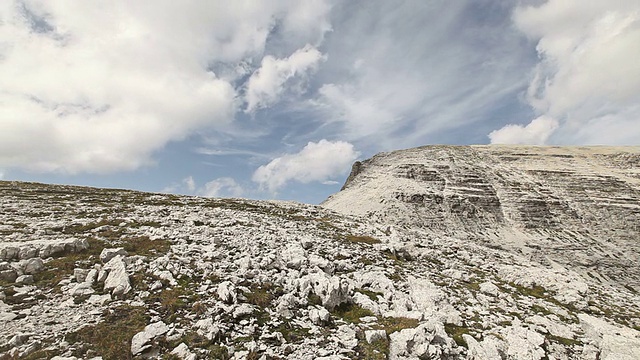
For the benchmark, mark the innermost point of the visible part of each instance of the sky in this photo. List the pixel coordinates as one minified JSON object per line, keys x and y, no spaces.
{"x":275,"y":99}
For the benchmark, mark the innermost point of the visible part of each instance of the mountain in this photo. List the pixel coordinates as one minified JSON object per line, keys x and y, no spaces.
{"x":571,"y":207}
{"x":429,"y":253}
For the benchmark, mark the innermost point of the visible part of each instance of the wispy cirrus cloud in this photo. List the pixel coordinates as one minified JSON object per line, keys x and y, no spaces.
{"x":588,"y":77}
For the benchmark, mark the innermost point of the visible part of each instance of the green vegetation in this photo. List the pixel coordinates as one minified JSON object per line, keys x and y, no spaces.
{"x":292,"y":333}
{"x":263,"y":295}
{"x":111,"y":338}
{"x":562,"y":340}
{"x":362,"y":239}
{"x":373,"y":295}
{"x":456,"y":333}
{"x":143,"y":245}
{"x":393,"y":324}
{"x":351,"y":313}
{"x":377,"y":350}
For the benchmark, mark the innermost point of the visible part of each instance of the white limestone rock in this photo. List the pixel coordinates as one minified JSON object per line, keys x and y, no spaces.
{"x":319,"y":315}
{"x":227,"y":292}
{"x":346,"y":335}
{"x":490,"y":348}
{"x":374,"y":335}
{"x":294,"y":256}
{"x":523,"y":343}
{"x":614,"y":342}
{"x":109,"y":253}
{"x":332,"y":290}
{"x":31,"y":266}
{"x":140,"y":341}
{"x":489,"y":288}
{"x":24,"y":280}
{"x":117,"y":282}
{"x":182,"y":351}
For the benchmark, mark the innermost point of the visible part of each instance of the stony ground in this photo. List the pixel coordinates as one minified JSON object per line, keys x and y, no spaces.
{"x":90,"y":273}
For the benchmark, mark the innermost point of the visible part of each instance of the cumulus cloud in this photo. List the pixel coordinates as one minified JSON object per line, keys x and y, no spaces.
{"x":221,"y":187}
{"x":588,"y":76}
{"x":101,"y":87}
{"x":536,"y":132}
{"x":319,"y":161}
{"x":267,"y":83}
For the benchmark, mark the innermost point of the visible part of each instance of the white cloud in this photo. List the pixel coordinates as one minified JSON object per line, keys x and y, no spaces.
{"x":319,"y":161}
{"x":221,"y":187}
{"x":589,"y":74}
{"x":189,"y":183}
{"x":401,"y":74}
{"x":268,"y":82}
{"x":101,"y":87}
{"x":535,"y":133}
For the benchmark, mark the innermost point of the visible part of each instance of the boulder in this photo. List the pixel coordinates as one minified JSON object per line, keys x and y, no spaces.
{"x":27,"y":252}
{"x":8,"y":275}
{"x":24,"y":280}
{"x":319,"y":315}
{"x":107,"y":254}
{"x":118,"y":280}
{"x":32,"y":266}
{"x":140,"y":341}
{"x":9,"y":253}
{"x":182,"y":351}
{"x":374,"y":335}
{"x":227,"y":292}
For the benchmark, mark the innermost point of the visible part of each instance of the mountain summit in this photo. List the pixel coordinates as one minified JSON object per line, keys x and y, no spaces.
{"x":439,"y":252}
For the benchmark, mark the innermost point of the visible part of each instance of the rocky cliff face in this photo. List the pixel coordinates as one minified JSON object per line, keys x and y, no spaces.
{"x":446,"y":256}
{"x":574,"y":207}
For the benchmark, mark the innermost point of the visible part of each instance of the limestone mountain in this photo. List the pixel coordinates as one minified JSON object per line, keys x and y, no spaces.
{"x":427,"y":253}
{"x":573,"y":207}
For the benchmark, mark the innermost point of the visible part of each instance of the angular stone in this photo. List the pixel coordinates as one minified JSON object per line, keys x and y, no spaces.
{"x":107,"y":254}
{"x":28,"y":252}
{"x":8,"y":275}
{"x":319,"y":315}
{"x":118,"y":280}
{"x":24,"y":280}
{"x":227,"y":292}
{"x":140,"y":341}
{"x":32,"y":266}
{"x":374,"y":335}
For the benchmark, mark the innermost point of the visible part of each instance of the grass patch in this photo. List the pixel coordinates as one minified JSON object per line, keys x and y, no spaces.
{"x":564,"y":341}
{"x":263,"y":295}
{"x":79,"y":229}
{"x":540,"y":309}
{"x":143,"y":245}
{"x":456,"y":333}
{"x":362,"y":239}
{"x":171,"y":301}
{"x":292,"y":333}
{"x":351,"y":313}
{"x":313,"y":299}
{"x":536,"y":291}
{"x":377,"y":350}
{"x":219,"y":352}
{"x":112,"y":337}
{"x":373,"y":295}
{"x":393,"y":324}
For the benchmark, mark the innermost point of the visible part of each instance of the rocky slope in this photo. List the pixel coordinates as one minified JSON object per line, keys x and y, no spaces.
{"x":90,"y":273}
{"x":574,"y":207}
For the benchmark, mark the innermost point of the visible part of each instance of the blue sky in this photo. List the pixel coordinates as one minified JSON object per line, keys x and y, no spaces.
{"x":276,"y":99}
